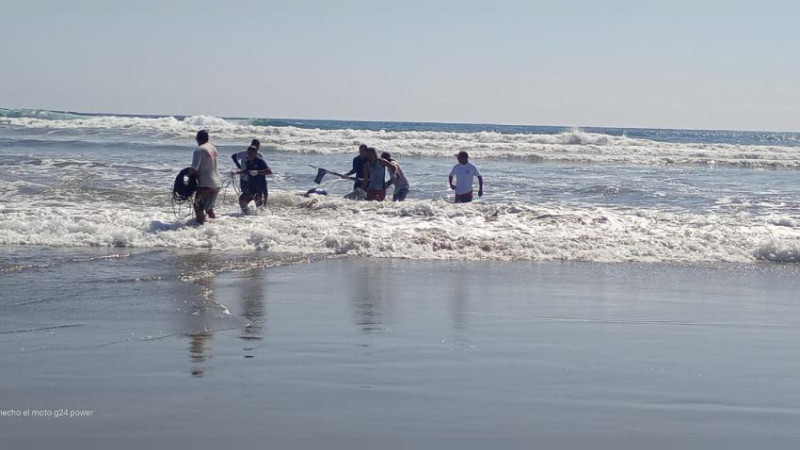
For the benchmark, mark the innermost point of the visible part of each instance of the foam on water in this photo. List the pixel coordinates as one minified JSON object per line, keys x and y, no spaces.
{"x":72,"y":180}
{"x":569,"y":146}
{"x":419,"y":229}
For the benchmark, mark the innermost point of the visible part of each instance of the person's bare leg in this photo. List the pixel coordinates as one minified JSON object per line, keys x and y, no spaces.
{"x":200,"y":215}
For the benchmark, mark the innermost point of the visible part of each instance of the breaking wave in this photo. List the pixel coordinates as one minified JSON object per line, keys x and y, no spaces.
{"x":555,"y":145}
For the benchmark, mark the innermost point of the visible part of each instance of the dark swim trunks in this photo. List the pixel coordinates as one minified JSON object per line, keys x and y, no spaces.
{"x":464,"y":198}
{"x":400,"y":195}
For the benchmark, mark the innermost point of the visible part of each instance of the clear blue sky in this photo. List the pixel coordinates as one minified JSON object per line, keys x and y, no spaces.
{"x":720,"y":65}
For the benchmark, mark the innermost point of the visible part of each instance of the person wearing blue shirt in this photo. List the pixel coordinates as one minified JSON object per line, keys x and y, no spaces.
{"x":240,"y":158}
{"x":358,"y":166}
{"x":254,"y":187}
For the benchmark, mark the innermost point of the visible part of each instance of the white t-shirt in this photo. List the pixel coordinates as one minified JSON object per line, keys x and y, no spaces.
{"x":204,"y":161}
{"x":464,"y":174}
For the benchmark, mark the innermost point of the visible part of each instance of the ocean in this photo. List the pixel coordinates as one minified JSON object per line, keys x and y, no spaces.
{"x":610,"y":282}
{"x":552,"y":193}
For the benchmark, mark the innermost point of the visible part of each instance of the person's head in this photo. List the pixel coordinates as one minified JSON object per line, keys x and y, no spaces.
{"x":252,"y":153}
{"x":202,"y":137}
{"x":256,"y":143}
{"x":387,"y":156}
{"x":362,"y":150}
{"x":463,"y":157}
{"x":372,"y":154}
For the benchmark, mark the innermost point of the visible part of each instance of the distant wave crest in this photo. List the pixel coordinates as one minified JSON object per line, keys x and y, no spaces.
{"x":571,"y":146}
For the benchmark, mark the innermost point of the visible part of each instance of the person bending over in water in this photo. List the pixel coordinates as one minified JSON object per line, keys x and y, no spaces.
{"x":255,"y":189}
{"x":241,"y":157}
{"x":465,"y":172}
{"x":204,"y":165}
{"x":397,"y":177}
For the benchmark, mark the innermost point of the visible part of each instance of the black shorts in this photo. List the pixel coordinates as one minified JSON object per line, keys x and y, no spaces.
{"x":464,"y":198}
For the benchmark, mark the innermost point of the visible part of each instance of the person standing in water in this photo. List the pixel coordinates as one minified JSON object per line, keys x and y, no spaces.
{"x":465,"y":172}
{"x":358,"y":166}
{"x":255,"y":189}
{"x":375,"y":177}
{"x":239,"y":158}
{"x":204,"y":165}
{"x":397,"y":177}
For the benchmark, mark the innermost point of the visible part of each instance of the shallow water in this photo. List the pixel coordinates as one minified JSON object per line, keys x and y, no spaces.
{"x":552,"y":193}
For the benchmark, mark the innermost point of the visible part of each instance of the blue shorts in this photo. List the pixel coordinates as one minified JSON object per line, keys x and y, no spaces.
{"x":400,"y":194}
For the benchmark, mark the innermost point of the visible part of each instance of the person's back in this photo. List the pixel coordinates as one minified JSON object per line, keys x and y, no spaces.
{"x":204,"y":161}
{"x":204,"y":165}
{"x":375,"y":173}
{"x":377,"y":176}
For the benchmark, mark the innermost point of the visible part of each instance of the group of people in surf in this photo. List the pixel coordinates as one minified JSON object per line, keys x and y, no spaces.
{"x":368,"y":172}
{"x":370,"y":176}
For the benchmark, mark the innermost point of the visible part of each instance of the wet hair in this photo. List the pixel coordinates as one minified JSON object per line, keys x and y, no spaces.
{"x":463,"y":153}
{"x":372,"y":151}
{"x":202,"y":137}
{"x":387,"y":156}
{"x":255,"y":143}
{"x":363,"y":147}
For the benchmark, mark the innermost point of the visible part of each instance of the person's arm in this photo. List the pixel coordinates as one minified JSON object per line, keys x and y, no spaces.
{"x":352,"y":171}
{"x":450,"y":178}
{"x":197,"y":159}
{"x":480,"y":181}
{"x":392,"y":167}
{"x":392,"y":176}
{"x":266,"y":170}
{"x":236,"y":160}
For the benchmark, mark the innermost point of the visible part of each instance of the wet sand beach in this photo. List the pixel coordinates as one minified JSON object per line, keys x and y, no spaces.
{"x":160,"y":344}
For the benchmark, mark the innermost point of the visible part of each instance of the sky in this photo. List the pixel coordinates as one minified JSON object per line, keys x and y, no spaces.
{"x":686,"y":64}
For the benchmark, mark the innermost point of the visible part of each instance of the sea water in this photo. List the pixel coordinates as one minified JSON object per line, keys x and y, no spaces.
{"x":609,"y":282}
{"x":73,"y":180}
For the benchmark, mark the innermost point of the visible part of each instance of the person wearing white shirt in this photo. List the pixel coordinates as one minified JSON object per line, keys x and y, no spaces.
{"x":465,"y":173}
{"x":204,"y":165}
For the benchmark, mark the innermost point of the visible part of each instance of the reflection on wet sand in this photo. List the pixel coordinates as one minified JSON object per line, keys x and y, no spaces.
{"x":460,"y":299}
{"x":200,"y":309}
{"x":371,"y":295}
{"x":253,"y":309}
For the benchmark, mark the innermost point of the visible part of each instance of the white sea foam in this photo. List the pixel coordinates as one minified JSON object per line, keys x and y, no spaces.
{"x":419,"y":229}
{"x":571,"y":146}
